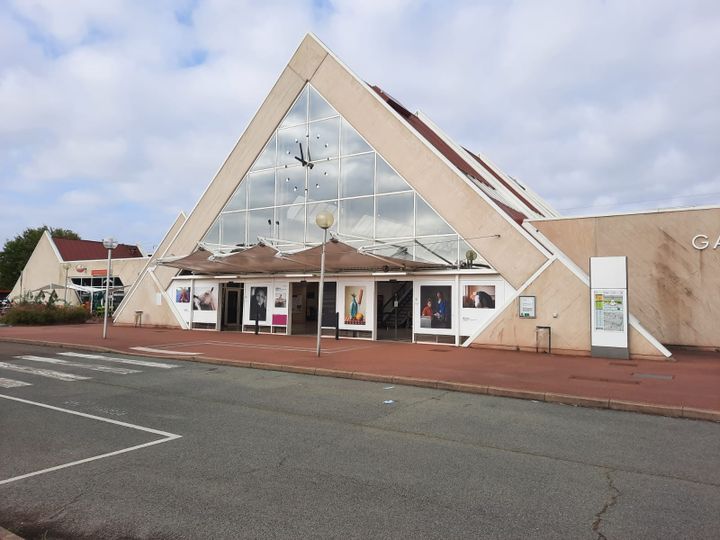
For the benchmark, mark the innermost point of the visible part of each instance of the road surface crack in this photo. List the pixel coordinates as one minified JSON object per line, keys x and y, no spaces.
{"x":614,"y":495}
{"x":64,"y":507}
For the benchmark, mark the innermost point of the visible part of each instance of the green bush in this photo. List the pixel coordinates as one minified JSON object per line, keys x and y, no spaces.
{"x":26,"y":313}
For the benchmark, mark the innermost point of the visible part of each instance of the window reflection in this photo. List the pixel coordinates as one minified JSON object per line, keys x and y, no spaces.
{"x":291,"y":223}
{"x":238,"y":200}
{"x":394,"y":216}
{"x":261,"y":189}
{"x":213,"y":234}
{"x":356,"y":175}
{"x":313,"y":233}
{"x":289,"y":141}
{"x":427,"y":221}
{"x":232,"y":228}
{"x":266,"y":158}
{"x":352,"y":142}
{"x":290,"y":185}
{"x":298,"y":112}
{"x":356,"y":217}
{"x":323,"y":181}
{"x":319,"y":108}
{"x":260,"y":224}
{"x":387,"y":179}
{"x":437,"y":249}
{"x":324,"y":139}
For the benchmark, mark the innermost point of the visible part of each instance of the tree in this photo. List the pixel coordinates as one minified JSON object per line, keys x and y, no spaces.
{"x":16,"y":252}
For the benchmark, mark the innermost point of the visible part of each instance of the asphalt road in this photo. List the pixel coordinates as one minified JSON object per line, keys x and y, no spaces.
{"x":240,"y":453}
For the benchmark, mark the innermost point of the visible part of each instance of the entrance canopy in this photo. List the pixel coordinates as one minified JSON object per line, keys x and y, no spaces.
{"x":264,"y":259}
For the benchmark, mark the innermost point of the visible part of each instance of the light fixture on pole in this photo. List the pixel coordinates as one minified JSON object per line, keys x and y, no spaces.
{"x":324,"y":220}
{"x":470,"y":256}
{"x":109,"y":244}
{"x":66,"y":267}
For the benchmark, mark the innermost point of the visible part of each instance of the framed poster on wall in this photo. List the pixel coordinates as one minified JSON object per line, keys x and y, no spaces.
{"x":527,"y":307}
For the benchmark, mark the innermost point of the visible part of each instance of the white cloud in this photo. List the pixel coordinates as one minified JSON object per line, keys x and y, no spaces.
{"x":118,"y":113}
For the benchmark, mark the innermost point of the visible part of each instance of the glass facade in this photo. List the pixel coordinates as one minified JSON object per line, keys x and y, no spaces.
{"x":316,"y":161}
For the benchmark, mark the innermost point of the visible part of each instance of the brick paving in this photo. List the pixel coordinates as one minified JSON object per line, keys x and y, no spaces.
{"x":687,"y":386}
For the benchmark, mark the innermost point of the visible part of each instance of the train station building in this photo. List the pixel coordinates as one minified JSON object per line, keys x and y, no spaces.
{"x":428,"y":241}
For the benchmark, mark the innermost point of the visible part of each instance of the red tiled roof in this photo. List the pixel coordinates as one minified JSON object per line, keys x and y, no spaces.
{"x":84,"y":250}
{"x":434,"y":139}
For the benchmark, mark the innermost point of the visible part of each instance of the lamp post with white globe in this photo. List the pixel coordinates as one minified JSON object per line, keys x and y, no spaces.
{"x":324,"y":220}
{"x":109,"y":244}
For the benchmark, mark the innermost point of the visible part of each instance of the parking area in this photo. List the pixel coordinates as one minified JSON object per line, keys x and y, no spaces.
{"x":201,"y":450}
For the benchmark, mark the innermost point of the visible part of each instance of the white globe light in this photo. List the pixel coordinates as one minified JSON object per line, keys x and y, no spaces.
{"x":324,"y":220}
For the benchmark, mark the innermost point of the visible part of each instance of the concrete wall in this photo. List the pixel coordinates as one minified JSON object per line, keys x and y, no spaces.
{"x":45,"y":268}
{"x":563,"y":304}
{"x":673,"y":288}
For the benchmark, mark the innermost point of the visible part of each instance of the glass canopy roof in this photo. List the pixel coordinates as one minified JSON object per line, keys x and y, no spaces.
{"x":316,"y":161}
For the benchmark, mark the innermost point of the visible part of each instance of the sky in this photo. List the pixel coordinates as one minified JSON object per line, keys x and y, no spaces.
{"x":115,"y":115}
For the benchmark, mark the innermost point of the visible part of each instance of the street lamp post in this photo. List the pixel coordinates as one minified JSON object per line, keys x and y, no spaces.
{"x":109,"y":244}
{"x":324,"y":220}
{"x":66,"y":267}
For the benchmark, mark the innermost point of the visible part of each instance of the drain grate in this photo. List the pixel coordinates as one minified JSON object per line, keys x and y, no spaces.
{"x":440,"y":350}
{"x":630,"y":364}
{"x":602,"y":379}
{"x":653,"y":376}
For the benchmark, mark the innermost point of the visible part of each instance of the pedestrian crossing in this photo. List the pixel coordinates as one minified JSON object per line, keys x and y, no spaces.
{"x":86,"y":362}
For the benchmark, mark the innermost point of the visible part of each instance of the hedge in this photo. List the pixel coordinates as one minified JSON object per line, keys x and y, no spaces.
{"x":41,"y":314}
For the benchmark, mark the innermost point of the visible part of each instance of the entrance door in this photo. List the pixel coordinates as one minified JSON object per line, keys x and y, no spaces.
{"x":394,"y":310}
{"x":304,"y":309}
{"x":232,"y":307}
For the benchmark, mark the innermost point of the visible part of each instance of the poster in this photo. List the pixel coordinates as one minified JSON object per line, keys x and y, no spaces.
{"x":281,"y":297}
{"x":355,"y":305}
{"x":436,"y":308}
{"x":609,"y":310}
{"x":205,"y":299}
{"x":479,"y":296}
{"x":258,"y":303}
{"x":182,"y":295}
{"x":527,"y":307}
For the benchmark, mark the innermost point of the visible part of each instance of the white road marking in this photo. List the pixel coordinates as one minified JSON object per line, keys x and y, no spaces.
{"x":119,"y":360}
{"x":10,"y":383}
{"x":58,"y":361}
{"x":166,"y":437}
{"x":150,"y":349}
{"x":68,"y":377}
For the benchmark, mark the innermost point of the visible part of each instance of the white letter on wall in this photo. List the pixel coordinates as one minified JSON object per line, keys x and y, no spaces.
{"x":702,"y":244}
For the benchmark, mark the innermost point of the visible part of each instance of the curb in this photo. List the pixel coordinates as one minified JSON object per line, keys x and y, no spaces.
{"x":691,"y":413}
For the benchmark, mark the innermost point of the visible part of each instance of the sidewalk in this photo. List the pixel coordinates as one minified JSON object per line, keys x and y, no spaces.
{"x":687,"y":387}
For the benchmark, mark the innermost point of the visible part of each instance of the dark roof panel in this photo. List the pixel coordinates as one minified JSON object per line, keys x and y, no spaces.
{"x":84,"y":250}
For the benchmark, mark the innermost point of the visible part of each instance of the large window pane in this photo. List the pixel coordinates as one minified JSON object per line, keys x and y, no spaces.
{"x":289,"y":141}
{"x":323,"y":181}
{"x":232,"y":228}
{"x":260,"y":224}
{"x":298,"y":112}
{"x":313,"y":233}
{"x":319,"y":108}
{"x":356,"y":217}
{"x":290,"y":185}
{"x":291,"y":226}
{"x":427,"y":221}
{"x":394,"y":216}
{"x":261,"y":189}
{"x":266,"y":159}
{"x":213,"y":234}
{"x":325,"y":139}
{"x":238,"y":200}
{"x":438,"y":249}
{"x":351,"y":142}
{"x":387,"y":179}
{"x":356,"y":175}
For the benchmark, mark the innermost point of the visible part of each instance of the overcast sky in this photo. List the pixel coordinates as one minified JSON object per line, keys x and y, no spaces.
{"x":115,"y":115}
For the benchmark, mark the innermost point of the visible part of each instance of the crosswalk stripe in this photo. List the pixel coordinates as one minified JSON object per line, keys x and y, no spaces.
{"x":58,"y":361}
{"x":68,"y":377}
{"x":10,"y":383}
{"x":119,"y":360}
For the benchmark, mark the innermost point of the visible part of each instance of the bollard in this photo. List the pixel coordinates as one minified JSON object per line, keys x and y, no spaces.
{"x":257,"y":327}
{"x":337,"y":325}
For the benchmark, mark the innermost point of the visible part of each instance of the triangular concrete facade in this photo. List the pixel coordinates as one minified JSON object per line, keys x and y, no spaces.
{"x":481,"y":220}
